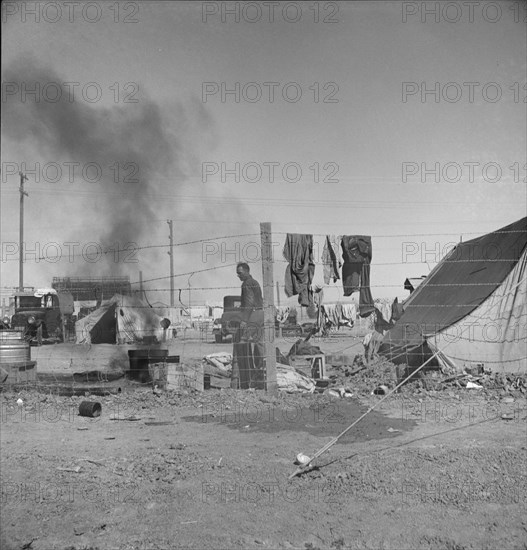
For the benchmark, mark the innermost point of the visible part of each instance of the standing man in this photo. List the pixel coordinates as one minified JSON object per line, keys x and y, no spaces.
{"x":248,"y":351}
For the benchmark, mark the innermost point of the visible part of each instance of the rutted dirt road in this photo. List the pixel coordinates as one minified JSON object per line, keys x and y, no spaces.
{"x":210,"y":470}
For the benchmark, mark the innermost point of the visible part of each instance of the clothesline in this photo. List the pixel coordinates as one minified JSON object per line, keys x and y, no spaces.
{"x":353,"y":271}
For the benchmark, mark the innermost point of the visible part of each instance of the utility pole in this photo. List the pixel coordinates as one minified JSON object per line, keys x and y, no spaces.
{"x":23,"y":178}
{"x":171,"y":254}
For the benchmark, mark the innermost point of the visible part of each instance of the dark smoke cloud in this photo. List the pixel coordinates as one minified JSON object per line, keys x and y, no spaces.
{"x":167,"y":144}
{"x":134,"y":133}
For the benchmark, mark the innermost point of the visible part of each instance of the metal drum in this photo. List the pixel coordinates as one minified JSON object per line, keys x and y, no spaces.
{"x":13,"y":347}
{"x":15,"y":359}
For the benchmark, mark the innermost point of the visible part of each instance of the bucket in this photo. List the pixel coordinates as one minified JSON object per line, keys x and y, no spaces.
{"x":90,"y":409}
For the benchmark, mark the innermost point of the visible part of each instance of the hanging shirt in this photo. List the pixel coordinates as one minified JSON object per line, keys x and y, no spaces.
{"x":330,"y":259}
{"x":357,"y":253}
{"x":298,"y":251}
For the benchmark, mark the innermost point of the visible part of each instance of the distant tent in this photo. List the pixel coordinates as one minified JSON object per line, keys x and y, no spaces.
{"x":123,"y":319}
{"x":472,"y":307}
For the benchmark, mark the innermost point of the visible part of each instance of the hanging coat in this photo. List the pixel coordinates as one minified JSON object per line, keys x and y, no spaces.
{"x":357,"y":252}
{"x":298,"y":251}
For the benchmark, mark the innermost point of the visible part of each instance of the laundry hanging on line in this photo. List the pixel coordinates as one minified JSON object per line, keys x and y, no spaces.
{"x":357,"y":254}
{"x":331,"y":260}
{"x":298,"y":251}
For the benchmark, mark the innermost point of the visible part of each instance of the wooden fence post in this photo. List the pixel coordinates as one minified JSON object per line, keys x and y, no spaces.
{"x":269,"y":310}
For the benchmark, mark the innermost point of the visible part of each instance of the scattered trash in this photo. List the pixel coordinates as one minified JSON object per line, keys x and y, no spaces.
{"x":302,"y":459}
{"x":473,"y":386}
{"x":508,"y":400}
{"x":507,"y":416}
{"x":127,"y":418}
{"x":92,"y":461}
{"x":380,"y":390}
{"x":220,"y":360}
{"x":110,"y":437}
{"x":19,"y":402}
{"x":90,"y":408}
{"x":159,"y":423}
{"x":475,"y":371}
{"x":392,"y":430}
{"x":75,"y":470}
{"x":185,"y":522}
{"x":332,"y":393}
{"x":291,"y":381}
{"x":82,"y":428}
{"x":219,"y":461}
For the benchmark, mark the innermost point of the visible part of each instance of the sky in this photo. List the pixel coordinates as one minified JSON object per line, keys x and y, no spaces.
{"x":385,"y":119}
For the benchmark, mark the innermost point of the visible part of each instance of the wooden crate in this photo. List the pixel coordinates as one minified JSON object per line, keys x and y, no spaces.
{"x":313,"y":366}
{"x":339,"y":360}
{"x":184,"y":377}
{"x":20,"y":373}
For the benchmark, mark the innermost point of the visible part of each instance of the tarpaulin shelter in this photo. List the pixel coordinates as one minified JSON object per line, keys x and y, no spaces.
{"x":472,"y":307}
{"x":122,"y":319}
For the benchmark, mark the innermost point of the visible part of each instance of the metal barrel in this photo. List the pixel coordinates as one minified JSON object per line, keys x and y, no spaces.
{"x":90,"y":408}
{"x":13,"y":347}
{"x":11,"y":334}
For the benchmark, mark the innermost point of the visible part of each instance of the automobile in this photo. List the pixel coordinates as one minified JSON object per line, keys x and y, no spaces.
{"x":294,"y":329}
{"x":230,"y":320}
{"x":43,"y":314}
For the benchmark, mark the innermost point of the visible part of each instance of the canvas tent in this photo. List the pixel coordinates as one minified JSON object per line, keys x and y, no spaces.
{"x":472,"y":307}
{"x":123,"y":319}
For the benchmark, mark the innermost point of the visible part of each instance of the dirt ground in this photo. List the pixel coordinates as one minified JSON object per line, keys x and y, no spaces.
{"x":427,"y":469}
